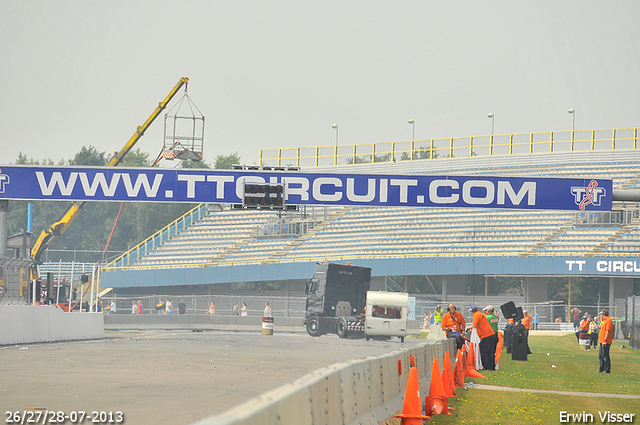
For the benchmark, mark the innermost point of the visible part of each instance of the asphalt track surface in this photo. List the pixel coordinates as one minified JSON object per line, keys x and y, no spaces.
{"x":167,"y":377}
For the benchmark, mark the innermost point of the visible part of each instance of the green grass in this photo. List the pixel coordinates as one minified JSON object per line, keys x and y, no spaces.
{"x":575,"y":370}
{"x":507,"y":408}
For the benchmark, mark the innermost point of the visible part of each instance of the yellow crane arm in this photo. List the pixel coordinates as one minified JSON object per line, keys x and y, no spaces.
{"x":119,"y":156}
{"x":58,"y":228}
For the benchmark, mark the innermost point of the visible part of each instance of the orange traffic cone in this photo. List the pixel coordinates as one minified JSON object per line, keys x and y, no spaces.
{"x":499,"y":346}
{"x":471,"y":371}
{"x":464,"y":356}
{"x":447,"y":377}
{"x":458,"y":370}
{"x":436,"y":402}
{"x":471,"y":356}
{"x":412,"y":407}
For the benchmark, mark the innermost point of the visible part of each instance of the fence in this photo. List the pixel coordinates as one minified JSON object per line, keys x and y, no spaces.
{"x":548,"y":312}
{"x":281,"y":306}
{"x":295,"y":306}
{"x":606,"y":218}
{"x":14,"y":278}
{"x":77,"y":255}
{"x":450,"y":147}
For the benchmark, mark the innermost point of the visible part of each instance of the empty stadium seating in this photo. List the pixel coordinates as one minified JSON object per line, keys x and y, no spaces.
{"x":235,"y":236}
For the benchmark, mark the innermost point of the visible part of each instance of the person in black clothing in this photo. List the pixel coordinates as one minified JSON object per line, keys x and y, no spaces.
{"x":182,"y":307}
{"x":160,"y":306}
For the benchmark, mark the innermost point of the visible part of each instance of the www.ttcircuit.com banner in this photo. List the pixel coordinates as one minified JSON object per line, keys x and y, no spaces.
{"x":303,"y":188}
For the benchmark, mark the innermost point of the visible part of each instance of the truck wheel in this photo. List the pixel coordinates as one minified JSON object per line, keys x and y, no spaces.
{"x":341,"y":327}
{"x":312,"y":326}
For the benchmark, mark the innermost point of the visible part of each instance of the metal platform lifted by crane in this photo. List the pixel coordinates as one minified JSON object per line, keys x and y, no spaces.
{"x":183,"y":131}
{"x":74,"y":209}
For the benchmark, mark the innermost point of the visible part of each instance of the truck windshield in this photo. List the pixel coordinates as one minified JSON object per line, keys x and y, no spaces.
{"x":312,"y":286}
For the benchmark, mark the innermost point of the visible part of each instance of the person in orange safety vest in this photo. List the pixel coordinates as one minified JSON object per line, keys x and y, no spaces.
{"x":605,"y":338}
{"x":584,"y":327}
{"x":454,"y":325}
{"x":488,"y":338}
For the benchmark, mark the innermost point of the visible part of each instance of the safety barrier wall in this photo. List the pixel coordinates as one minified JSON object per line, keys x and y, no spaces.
{"x":218,"y":322}
{"x":23,"y":324}
{"x":198,"y":322}
{"x":364,"y":391}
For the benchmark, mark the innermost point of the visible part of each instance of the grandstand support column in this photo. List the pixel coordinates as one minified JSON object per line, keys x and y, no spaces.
{"x":619,"y":289}
{"x":4,"y":209}
{"x":287,"y":292}
{"x":378,"y":283}
{"x":535,"y":289}
{"x":453,"y":285}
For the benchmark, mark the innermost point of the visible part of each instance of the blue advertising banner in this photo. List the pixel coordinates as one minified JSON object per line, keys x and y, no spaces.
{"x":227,"y":187}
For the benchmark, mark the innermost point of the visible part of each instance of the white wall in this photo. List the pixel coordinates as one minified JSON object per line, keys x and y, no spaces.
{"x":21,"y":324}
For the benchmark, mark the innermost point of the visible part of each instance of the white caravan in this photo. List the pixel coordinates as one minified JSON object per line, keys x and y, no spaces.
{"x":386,"y":314}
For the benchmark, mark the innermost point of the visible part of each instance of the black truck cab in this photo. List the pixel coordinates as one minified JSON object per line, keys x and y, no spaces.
{"x":336,"y":299}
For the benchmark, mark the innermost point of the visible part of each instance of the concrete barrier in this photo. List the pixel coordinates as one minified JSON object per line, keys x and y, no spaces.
{"x":23,"y":324}
{"x":364,"y":392}
{"x":198,"y":322}
{"x":564,"y":326}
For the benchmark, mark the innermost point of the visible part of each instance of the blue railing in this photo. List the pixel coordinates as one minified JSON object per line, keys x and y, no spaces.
{"x":160,"y":237}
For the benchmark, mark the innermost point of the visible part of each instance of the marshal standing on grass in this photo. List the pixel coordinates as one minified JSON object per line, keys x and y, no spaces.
{"x":493,"y":319}
{"x":488,"y":338}
{"x":605,"y":339}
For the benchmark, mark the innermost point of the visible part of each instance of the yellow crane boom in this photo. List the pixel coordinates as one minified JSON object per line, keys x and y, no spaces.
{"x":72,"y":211}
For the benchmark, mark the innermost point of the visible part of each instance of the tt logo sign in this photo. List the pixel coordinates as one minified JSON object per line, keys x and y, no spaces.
{"x":4,"y":180}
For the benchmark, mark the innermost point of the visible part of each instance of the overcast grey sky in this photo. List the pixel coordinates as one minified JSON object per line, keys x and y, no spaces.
{"x":270,"y":74}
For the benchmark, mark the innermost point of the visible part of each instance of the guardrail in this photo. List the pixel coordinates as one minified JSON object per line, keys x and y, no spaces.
{"x":159,"y":237}
{"x":458,"y":147}
{"x":365,"y":391}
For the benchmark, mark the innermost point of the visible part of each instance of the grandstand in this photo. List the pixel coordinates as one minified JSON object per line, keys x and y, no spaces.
{"x":66,"y":270}
{"x":219,"y":244}
{"x":234,"y":237}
